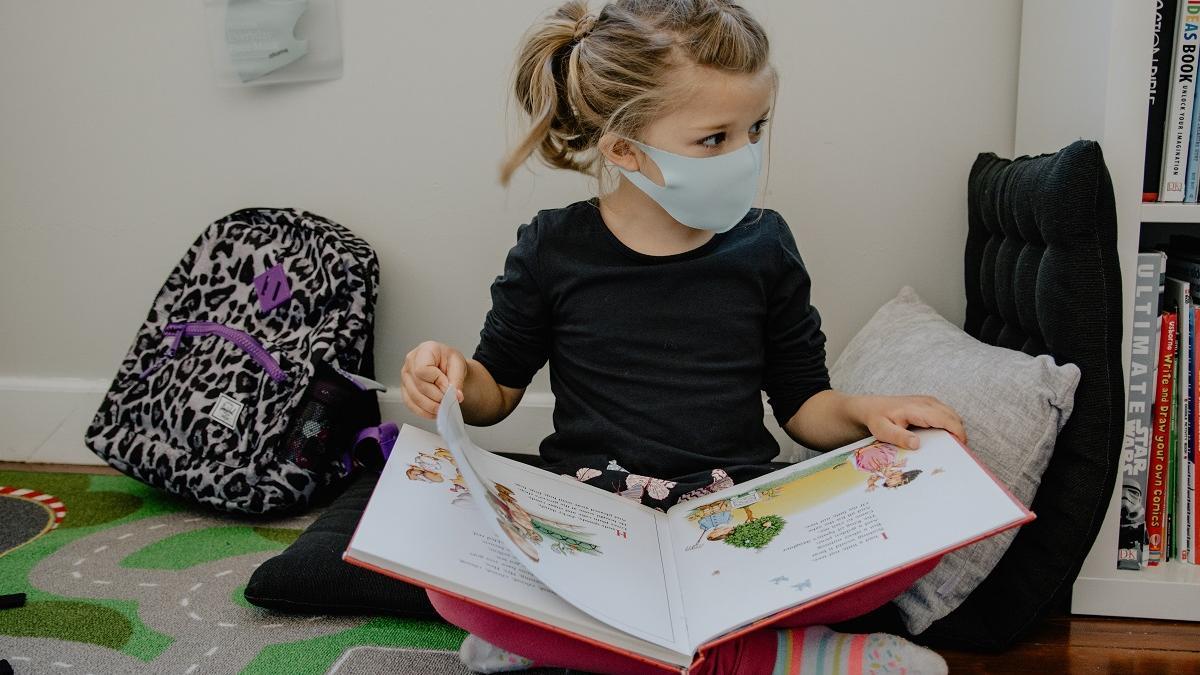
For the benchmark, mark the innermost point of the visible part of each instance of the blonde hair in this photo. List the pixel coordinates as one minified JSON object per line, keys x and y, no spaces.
{"x":580,"y":75}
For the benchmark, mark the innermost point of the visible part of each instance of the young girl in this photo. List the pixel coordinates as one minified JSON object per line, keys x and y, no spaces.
{"x":665,"y":307}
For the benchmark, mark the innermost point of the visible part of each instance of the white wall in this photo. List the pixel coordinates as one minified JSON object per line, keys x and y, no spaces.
{"x":116,"y":148}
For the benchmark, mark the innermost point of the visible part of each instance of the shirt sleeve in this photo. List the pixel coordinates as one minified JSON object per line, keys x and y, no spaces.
{"x":795,"y":349}
{"x":514,"y":342}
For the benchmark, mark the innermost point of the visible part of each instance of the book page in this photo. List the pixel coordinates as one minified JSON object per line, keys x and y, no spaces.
{"x":599,"y":551}
{"x":802,"y":532}
{"x":422,"y":524}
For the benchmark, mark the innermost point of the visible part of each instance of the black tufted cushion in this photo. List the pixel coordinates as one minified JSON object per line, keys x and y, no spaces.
{"x":1042,"y":277}
{"x":311,"y":577}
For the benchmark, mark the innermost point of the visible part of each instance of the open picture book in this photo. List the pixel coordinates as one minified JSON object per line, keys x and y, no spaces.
{"x":658,"y":586}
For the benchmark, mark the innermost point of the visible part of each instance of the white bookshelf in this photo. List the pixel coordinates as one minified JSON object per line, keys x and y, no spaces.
{"x":1170,"y":213}
{"x":1084,"y":73}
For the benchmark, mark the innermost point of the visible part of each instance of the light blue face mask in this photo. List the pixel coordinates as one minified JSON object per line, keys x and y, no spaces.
{"x":260,"y":35}
{"x":705,"y":193}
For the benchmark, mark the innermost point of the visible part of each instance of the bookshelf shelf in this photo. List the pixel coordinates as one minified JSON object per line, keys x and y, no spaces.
{"x":1170,"y":213}
{"x":1084,"y":73}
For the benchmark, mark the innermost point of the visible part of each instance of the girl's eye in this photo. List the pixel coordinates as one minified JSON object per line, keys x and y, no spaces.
{"x":758,"y":127}
{"x":714,"y":140}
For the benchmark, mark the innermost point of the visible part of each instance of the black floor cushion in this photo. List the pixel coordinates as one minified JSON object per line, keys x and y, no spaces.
{"x":1042,"y":277}
{"x":311,"y":577}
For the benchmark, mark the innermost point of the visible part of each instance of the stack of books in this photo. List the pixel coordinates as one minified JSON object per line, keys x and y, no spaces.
{"x":1159,"y":511}
{"x":1173,"y":122}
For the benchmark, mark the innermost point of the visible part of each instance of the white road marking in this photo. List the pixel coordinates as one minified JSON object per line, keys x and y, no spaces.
{"x":221,"y":574}
{"x":195,"y":616}
{"x":60,"y":664}
{"x":126,"y":535}
{"x":211,"y":651}
{"x":183,"y":602}
{"x":77,"y":575}
{"x":192,"y":669}
{"x":155,"y":527}
{"x":20,"y":658}
{"x":222,"y":624}
{"x":101,"y":582}
{"x":100,"y":549}
{"x":191,"y":520}
{"x":77,"y":563}
{"x":193,"y":588}
{"x":42,"y":498}
{"x":145,"y":584}
{"x":18,"y":493}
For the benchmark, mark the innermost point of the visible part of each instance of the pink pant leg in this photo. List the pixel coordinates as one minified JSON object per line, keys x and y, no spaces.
{"x":750,"y":653}
{"x":544,"y":646}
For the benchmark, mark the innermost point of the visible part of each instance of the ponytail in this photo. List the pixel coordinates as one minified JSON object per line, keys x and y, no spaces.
{"x":547,"y":79}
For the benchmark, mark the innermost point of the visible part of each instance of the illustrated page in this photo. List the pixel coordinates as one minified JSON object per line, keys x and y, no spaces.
{"x":751,"y":550}
{"x":422,"y":522}
{"x":599,"y":551}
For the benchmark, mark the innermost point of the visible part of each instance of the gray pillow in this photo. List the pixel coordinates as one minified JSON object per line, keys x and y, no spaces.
{"x":1013,"y":406}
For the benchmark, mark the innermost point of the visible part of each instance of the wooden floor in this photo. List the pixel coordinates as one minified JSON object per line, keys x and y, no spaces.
{"x":1068,"y":644}
{"x":1085,"y":644}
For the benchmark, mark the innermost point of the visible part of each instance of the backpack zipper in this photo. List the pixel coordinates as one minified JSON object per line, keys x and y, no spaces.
{"x":240,"y":339}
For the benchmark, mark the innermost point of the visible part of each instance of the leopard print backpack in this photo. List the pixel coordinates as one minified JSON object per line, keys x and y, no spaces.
{"x":246,"y":387}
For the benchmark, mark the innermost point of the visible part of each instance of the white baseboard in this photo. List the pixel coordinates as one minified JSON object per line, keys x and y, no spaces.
{"x":43,"y":419}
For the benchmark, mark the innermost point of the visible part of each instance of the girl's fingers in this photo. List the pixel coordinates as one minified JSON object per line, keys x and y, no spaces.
{"x":889,"y":432}
{"x":456,"y":371}
{"x":418,"y":402}
{"x":429,"y":391}
{"x":413,"y":406}
{"x":934,"y":415}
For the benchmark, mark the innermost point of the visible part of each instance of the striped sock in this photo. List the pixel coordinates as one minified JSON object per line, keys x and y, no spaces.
{"x":817,"y":650}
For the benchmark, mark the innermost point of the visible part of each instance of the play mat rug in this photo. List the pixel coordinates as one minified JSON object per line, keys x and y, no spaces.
{"x":122,"y":578}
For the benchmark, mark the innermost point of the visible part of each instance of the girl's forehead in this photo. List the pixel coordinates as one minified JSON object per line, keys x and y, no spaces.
{"x":713,"y":98}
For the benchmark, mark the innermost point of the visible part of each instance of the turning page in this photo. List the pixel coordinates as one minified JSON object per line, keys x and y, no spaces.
{"x":802,"y":532}
{"x":607,"y":555}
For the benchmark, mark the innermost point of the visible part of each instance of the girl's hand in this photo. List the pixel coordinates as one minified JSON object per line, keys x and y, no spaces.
{"x":888,"y":418}
{"x":428,"y":371}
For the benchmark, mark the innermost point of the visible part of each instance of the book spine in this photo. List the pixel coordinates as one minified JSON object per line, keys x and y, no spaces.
{"x":1178,"y":126}
{"x":1188,"y":460}
{"x":1139,"y":412}
{"x":1190,"y":183}
{"x":1160,"y":448}
{"x":1183,"y":398}
{"x":1172,"y":450}
{"x":1165,"y":12}
{"x":1193,"y":477}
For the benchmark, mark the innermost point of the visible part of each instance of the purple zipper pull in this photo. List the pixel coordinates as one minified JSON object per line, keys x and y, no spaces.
{"x":240,"y":339}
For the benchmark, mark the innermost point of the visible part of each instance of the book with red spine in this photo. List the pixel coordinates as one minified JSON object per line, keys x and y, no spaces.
{"x":1156,"y":496}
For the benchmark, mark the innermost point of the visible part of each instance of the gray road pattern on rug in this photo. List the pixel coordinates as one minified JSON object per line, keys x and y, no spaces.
{"x":372,"y":660}
{"x":193,"y":605}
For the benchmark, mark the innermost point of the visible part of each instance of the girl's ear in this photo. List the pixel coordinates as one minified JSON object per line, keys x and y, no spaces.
{"x":620,"y":152}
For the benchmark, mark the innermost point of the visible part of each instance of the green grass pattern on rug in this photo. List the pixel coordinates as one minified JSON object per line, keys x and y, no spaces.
{"x":197,"y":547}
{"x":98,"y":503}
{"x":93,"y":503}
{"x":312,"y":657}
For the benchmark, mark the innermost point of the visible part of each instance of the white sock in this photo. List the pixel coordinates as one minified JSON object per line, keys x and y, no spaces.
{"x":483,"y":657}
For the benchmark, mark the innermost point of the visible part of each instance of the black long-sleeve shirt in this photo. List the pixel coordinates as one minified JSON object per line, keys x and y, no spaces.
{"x":657,"y":362}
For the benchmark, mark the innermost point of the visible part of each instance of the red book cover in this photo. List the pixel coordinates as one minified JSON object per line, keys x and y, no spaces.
{"x":1156,"y":496}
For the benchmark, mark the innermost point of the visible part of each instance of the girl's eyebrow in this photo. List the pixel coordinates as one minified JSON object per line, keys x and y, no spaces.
{"x":719,"y":127}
